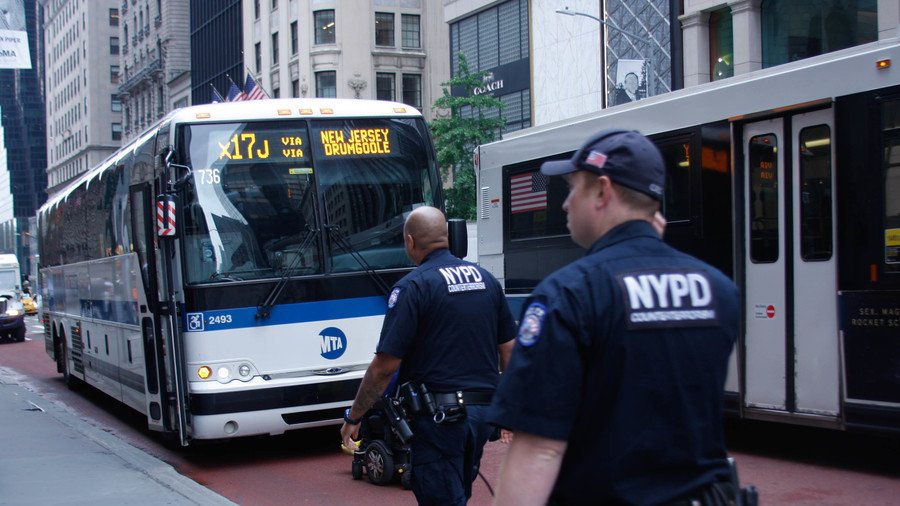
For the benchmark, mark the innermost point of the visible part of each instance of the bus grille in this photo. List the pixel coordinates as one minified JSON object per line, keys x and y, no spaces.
{"x":77,"y":349}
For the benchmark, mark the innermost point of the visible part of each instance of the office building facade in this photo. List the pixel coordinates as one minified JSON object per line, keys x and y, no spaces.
{"x":83,"y":73}
{"x":216,"y":45}
{"x":385,"y":49}
{"x":155,"y":61}
{"x":22,"y":111}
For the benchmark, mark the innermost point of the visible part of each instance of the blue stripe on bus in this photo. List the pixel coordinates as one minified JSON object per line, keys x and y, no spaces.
{"x":245,"y":317}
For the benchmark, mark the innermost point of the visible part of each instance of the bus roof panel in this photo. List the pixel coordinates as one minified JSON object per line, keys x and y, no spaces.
{"x":821,"y":77}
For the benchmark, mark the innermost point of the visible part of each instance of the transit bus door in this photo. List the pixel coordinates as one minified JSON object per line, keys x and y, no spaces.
{"x":165,"y":408}
{"x":790,"y":361}
{"x":764,"y":266}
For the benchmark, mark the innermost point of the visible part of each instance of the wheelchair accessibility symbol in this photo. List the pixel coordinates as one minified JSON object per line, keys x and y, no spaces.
{"x":195,"y":322}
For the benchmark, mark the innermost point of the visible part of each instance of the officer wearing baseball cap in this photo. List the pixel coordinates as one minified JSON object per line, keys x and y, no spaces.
{"x":615,"y":387}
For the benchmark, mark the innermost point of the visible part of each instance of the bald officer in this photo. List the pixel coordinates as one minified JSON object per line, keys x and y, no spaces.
{"x":615,"y":388}
{"x":447,"y":327}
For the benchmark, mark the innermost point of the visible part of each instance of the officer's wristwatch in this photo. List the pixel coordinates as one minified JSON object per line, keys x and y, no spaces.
{"x":349,"y":420}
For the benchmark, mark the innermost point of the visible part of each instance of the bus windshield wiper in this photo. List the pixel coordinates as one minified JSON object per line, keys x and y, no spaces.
{"x":334,"y":231}
{"x":265,"y":308}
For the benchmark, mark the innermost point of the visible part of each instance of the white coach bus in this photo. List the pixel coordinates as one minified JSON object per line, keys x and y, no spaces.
{"x":788,"y":180}
{"x":225,"y":273}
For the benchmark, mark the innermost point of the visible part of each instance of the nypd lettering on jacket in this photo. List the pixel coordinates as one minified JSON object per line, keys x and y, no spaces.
{"x":462,"y":278}
{"x":666,"y":299}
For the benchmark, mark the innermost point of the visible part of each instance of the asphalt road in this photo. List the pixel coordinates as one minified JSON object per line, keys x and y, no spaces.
{"x":789,"y":464}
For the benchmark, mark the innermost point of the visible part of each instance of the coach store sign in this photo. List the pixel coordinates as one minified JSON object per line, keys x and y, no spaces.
{"x":502,"y":80}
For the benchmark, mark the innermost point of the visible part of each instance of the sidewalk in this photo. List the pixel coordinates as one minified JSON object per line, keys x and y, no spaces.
{"x":48,"y":455}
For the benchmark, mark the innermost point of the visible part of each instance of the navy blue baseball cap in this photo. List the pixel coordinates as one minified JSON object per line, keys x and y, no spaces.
{"x":625,"y":156}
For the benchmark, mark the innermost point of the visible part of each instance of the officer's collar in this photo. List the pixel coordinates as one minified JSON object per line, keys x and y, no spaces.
{"x":624,"y":231}
{"x":435,"y":254}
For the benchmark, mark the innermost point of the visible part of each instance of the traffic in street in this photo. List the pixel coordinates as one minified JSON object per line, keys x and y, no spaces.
{"x":788,"y":464}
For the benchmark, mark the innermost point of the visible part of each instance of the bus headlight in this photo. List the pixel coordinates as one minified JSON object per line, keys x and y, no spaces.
{"x":13,"y":312}
{"x":226,"y":372}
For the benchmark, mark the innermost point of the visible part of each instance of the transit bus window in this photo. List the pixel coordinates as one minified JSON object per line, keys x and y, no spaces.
{"x":815,"y":193}
{"x":763,"y":198}
{"x":251,"y":204}
{"x":372,"y":173}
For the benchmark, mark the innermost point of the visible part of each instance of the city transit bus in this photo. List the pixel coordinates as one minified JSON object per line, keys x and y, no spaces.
{"x":788,"y":180}
{"x":225,"y":273}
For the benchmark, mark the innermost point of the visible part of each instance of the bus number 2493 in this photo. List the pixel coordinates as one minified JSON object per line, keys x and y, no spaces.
{"x":219,"y":319}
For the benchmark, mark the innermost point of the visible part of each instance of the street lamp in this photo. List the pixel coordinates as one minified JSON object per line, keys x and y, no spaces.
{"x":631,"y":37}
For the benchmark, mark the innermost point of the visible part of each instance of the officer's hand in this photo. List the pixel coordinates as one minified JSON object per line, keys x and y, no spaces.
{"x":349,"y":433}
{"x":506,"y":436}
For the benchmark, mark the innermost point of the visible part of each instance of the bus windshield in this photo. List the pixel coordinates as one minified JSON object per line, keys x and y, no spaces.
{"x":301,"y":197}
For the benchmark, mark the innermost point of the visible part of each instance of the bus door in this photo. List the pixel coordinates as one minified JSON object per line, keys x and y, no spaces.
{"x":165,"y":403}
{"x":791,"y":361}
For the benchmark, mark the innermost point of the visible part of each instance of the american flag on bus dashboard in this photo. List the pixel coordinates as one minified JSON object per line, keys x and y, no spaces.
{"x":528,"y":192}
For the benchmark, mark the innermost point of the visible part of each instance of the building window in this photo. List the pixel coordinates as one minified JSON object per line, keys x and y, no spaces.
{"x":295,"y":88}
{"x":116,"y":131}
{"x":294,"y":45}
{"x":113,"y":45}
{"x":257,"y":55}
{"x":116,"y":103}
{"x":410,"y":28}
{"x":255,"y":9}
{"x":721,"y":44}
{"x":181,"y":102}
{"x":274,"y":4}
{"x":276,"y":92}
{"x":323,"y":24}
{"x":114,"y":74}
{"x":384,"y":86}
{"x":275,"y":48}
{"x":114,"y":17}
{"x":384,"y":29}
{"x":326,"y":84}
{"x":412,"y":90}
{"x":815,"y":27}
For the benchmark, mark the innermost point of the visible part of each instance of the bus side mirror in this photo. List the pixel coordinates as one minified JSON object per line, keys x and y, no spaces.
{"x":458,"y":236}
{"x":166,"y":216}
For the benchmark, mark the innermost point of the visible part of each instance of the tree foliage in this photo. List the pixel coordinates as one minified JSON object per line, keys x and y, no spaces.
{"x":473,"y":120}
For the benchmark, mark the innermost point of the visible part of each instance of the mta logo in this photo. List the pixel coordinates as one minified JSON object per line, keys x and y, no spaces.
{"x":334,"y":343}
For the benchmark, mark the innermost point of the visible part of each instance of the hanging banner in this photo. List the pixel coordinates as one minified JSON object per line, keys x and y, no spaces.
{"x":13,"y":37}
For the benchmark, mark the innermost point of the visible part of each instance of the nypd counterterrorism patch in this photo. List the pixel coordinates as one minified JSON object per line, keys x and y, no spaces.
{"x":532,"y":322}
{"x":667,"y":299}
{"x":392,"y":300}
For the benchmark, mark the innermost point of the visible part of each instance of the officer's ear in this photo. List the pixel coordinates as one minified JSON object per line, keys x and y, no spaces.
{"x":602,"y":190}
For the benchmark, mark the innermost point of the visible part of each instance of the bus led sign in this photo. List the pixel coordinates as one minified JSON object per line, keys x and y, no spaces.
{"x":246,"y":146}
{"x":356,"y":141}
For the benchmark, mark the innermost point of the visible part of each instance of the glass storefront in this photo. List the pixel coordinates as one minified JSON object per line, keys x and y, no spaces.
{"x":797,"y":29}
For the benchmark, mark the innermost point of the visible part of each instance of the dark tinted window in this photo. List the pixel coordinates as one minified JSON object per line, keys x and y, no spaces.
{"x":763,"y":198}
{"x":815,"y":193}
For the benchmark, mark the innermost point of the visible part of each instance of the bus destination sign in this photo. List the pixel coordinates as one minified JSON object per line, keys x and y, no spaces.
{"x":356,"y":142}
{"x":263,"y":145}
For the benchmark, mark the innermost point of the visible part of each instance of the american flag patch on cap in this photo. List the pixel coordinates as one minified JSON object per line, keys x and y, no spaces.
{"x":596,"y":158}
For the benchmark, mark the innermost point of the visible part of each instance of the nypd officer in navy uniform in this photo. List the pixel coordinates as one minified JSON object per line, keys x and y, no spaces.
{"x":448,"y":327}
{"x":615,"y":388}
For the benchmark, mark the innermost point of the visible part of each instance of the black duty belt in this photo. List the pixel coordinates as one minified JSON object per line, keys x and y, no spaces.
{"x":472,"y":398}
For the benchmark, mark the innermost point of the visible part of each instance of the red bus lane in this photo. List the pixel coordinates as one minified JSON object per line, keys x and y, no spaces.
{"x":789,"y":465}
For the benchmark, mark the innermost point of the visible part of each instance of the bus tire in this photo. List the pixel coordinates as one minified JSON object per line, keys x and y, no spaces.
{"x":62,"y":363}
{"x":379,"y":463}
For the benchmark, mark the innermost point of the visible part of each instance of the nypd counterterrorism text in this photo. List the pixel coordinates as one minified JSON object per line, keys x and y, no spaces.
{"x":668,"y":299}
